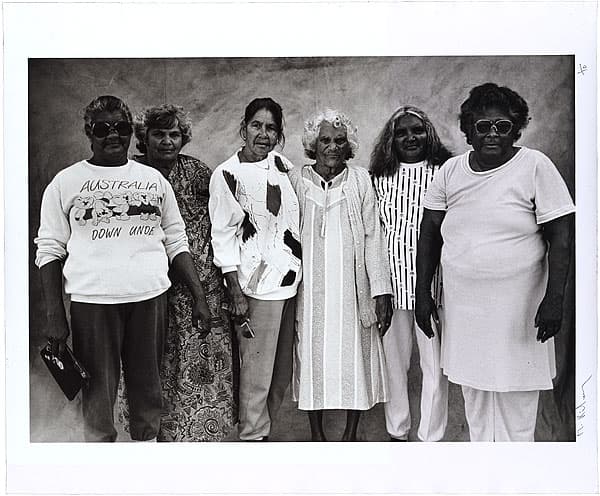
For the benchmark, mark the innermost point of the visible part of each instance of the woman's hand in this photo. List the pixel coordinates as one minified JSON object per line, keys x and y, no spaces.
{"x":549,"y":317}
{"x":424,"y":311}
{"x":429,"y":249}
{"x":183,"y":267}
{"x":558,"y":233}
{"x":239,"y":307}
{"x":239,"y":303}
{"x":57,"y":332}
{"x":201,"y":314}
{"x":383,"y":309}
{"x":57,"y":328}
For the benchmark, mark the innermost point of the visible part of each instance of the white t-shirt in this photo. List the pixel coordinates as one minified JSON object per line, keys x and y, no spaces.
{"x":493,"y":218}
{"x":495,"y":269}
{"x":116,"y":228}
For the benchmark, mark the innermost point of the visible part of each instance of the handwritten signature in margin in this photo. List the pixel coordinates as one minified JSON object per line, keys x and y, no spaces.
{"x":580,"y":409}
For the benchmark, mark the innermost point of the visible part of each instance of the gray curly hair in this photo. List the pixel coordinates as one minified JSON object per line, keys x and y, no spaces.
{"x":164,"y":116}
{"x":336,"y":119}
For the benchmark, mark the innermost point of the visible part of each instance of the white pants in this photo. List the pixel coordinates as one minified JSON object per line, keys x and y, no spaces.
{"x":397,"y":345}
{"x":494,"y":416}
{"x":265,"y":364}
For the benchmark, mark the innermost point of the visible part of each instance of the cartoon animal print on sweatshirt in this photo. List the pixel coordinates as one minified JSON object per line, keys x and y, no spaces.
{"x":103,"y":206}
{"x":149,"y":206}
{"x":120,"y":206}
{"x":83,"y":206}
{"x":100,"y":209}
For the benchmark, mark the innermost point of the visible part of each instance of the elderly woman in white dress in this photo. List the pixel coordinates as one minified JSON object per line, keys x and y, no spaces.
{"x":501,"y":216}
{"x":344,"y":301}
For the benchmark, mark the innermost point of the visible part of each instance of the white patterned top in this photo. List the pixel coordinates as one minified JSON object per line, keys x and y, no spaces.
{"x":255,"y":225}
{"x":400,"y":198}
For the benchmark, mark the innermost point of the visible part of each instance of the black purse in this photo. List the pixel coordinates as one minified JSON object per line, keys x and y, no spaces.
{"x":68,"y":372}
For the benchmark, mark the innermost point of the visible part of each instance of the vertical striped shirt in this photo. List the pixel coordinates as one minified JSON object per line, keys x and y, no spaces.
{"x":400,"y":198}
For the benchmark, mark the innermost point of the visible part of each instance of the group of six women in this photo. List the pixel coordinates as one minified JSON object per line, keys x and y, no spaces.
{"x":326,"y":271}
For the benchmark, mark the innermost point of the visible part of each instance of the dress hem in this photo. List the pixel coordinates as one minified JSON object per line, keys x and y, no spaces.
{"x":499,"y":389}
{"x":342,"y":407}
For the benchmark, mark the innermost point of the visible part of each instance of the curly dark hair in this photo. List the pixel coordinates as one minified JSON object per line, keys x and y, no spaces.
{"x":165,"y":116}
{"x":384,"y":161}
{"x":491,"y":95}
{"x":100,"y":104}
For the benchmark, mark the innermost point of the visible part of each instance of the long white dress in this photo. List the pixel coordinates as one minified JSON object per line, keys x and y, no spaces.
{"x":495,"y":269}
{"x":339,"y":364}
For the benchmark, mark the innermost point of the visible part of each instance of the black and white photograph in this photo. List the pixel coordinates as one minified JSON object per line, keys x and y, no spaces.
{"x":274,"y":238}
{"x":251,"y":256}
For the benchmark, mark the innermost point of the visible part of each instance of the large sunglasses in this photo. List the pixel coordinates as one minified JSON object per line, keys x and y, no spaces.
{"x":102,"y":129}
{"x":501,"y":126}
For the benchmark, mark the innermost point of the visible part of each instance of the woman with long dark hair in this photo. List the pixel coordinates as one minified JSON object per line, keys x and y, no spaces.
{"x":406,"y":157}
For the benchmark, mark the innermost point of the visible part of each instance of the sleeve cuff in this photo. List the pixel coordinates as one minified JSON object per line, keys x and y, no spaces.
{"x":560,"y":212}
{"x":381,"y":289}
{"x":434,"y":206}
{"x":176,"y":252}
{"x":45,"y":259}
{"x":231,"y":268}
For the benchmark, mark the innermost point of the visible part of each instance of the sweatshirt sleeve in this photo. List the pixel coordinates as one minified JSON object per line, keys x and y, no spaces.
{"x":172,"y":224}
{"x":54,"y":231}
{"x":226,"y":216}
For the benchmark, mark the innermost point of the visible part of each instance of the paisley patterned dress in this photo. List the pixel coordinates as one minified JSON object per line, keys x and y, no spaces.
{"x":198,"y":399}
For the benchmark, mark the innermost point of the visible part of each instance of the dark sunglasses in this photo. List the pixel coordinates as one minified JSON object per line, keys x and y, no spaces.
{"x":102,"y":129}
{"x":501,"y":126}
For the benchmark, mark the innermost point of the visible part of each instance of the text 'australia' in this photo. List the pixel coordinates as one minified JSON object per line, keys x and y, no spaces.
{"x":103,"y":184}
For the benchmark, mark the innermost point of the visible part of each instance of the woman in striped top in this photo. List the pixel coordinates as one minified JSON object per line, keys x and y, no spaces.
{"x":406,"y":156}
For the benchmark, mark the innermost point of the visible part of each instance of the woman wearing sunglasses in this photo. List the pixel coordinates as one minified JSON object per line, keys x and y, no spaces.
{"x":196,"y":371}
{"x":501,"y":216}
{"x":115,"y":224}
{"x":255,"y":236}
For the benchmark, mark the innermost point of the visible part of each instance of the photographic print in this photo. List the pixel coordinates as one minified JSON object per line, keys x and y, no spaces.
{"x":303,"y":246}
{"x":214,"y":93}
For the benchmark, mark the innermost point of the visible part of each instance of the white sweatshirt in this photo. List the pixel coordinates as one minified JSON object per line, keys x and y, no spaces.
{"x":255,"y":226}
{"x":117,"y":228}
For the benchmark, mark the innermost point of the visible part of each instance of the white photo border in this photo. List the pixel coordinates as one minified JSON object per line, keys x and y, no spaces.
{"x":48,"y":30}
